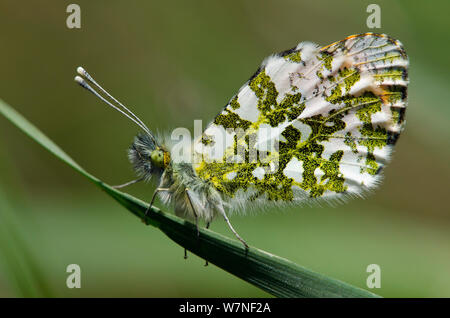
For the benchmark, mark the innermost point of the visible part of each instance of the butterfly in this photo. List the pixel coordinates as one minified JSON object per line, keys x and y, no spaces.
{"x":312,"y":124}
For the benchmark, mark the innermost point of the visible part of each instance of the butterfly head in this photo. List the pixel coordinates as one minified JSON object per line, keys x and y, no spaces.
{"x":160,"y":158}
{"x":147,"y":157}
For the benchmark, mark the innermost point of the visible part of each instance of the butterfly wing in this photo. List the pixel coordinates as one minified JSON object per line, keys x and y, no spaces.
{"x":310,"y":123}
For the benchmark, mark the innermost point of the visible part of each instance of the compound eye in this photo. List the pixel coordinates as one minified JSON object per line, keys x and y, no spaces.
{"x":157,"y":158}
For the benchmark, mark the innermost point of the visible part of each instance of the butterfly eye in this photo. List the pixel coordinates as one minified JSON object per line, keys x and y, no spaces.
{"x":157,"y":158}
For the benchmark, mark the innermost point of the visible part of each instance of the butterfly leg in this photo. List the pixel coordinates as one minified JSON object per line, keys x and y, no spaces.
{"x":221,"y":210}
{"x":196,"y":220}
{"x":207,"y":226}
{"x":153,"y":199}
{"x":127,"y":184}
{"x":193,"y":210}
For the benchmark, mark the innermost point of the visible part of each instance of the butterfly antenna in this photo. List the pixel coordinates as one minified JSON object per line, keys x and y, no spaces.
{"x":125,"y":111}
{"x":85,"y":85}
{"x":83,"y":72}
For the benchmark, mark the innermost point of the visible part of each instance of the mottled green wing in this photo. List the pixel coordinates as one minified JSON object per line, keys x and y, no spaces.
{"x":311,"y":123}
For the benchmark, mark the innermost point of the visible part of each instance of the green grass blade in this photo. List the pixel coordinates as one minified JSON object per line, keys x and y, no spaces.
{"x":271,"y":273}
{"x":20,"y":264}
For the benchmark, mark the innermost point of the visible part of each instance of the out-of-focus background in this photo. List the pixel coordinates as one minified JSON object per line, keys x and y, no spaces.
{"x":176,"y":61}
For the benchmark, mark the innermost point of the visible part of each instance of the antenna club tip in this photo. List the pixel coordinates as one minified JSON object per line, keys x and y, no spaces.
{"x":81,"y":70}
{"x":79,"y":80}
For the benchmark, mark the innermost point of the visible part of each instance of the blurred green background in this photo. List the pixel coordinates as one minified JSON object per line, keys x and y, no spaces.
{"x":176,"y":61}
